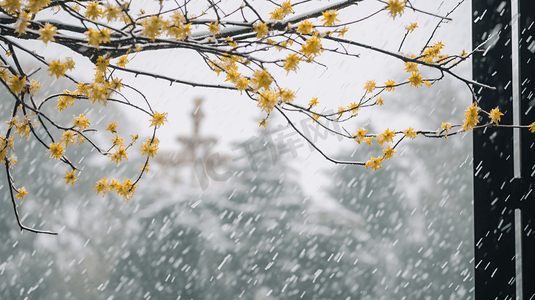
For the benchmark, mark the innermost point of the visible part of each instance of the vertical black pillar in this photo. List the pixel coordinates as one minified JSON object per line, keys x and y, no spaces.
{"x":527,"y":140}
{"x":497,"y":193}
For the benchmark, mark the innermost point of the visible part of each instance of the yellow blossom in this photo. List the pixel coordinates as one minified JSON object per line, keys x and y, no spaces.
{"x":158,"y":119}
{"x":68,"y":136}
{"x":214,"y":28}
{"x":4,"y":74}
{"x":65,"y":100}
{"x":374,"y":163}
{"x":264,"y":123}
{"x":410,"y":133}
{"x":411,"y":27}
{"x":286,"y":95}
{"x":242,"y":83}
{"x":16,"y":84}
{"x":343,"y":31}
{"x":386,"y":136}
{"x":261,"y":79}
{"x":472,"y":118}
{"x":36,"y":5}
{"x":12,"y":6}
{"x":267,"y":100}
{"x":354,"y":108}
{"x":312,"y":47}
{"x":93,"y":11}
{"x":291,"y":63}
{"x":118,"y":155}
{"x":261,"y":30}
{"x":532,"y":127}
{"x":416,"y":80}
{"x":112,"y":12}
{"x":56,"y":68}
{"x":117,"y":141}
{"x":34,"y":87}
{"x":21,"y":193}
{"x":56,"y":150}
{"x":305,"y":27}
{"x":22,"y":22}
{"x":150,"y":148}
{"x":329,"y":17}
{"x":144,"y":167}
{"x":102,"y":64}
{"x":389,"y":152}
{"x":380,"y":101}
{"x":126,"y":189}
{"x":369,"y":86}
{"x":123,"y":60}
{"x":287,"y":8}
{"x":70,"y":177}
{"x":395,"y":7}
{"x":46,"y":34}
{"x":111,"y":127}
{"x":390,"y":85}
{"x":103,"y":185}
{"x":151,"y":27}
{"x":24,"y":128}
{"x":93,"y":37}
{"x":277,"y":14}
{"x":495,"y":115}
{"x":445,"y":127}
{"x":82,"y":122}
{"x":313,"y":102}
{"x":411,"y":67}
{"x":12,"y":161}
{"x":233,"y":76}
{"x":360,"y":135}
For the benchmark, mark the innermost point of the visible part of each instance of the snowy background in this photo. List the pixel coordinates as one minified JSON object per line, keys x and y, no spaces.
{"x":295,"y":228}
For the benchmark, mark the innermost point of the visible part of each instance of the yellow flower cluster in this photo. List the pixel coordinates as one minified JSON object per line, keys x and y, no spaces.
{"x":96,"y":37}
{"x":374,"y":163}
{"x":16,"y":84}
{"x":305,"y":27}
{"x":395,"y":7}
{"x":495,"y":115}
{"x":472,"y":118}
{"x":125,"y":189}
{"x":150,"y":147}
{"x":5,"y":145}
{"x":410,"y":133}
{"x":432,"y":54}
{"x":23,"y":126}
{"x":282,"y":11}
{"x":261,"y":30}
{"x":70,"y":178}
{"x":291,"y":63}
{"x":386,"y":137}
{"x":58,"y":69}
{"x":312,"y":47}
{"x":411,"y":27}
{"x":21,"y":193}
{"x":329,"y":17}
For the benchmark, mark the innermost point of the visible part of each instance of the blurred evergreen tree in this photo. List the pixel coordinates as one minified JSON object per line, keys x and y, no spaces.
{"x":419,"y":205}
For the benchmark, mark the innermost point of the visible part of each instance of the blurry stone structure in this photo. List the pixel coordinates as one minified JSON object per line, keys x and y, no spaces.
{"x":196,"y":152}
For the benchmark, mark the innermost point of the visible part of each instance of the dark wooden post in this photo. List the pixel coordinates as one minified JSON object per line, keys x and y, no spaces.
{"x":497,"y":192}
